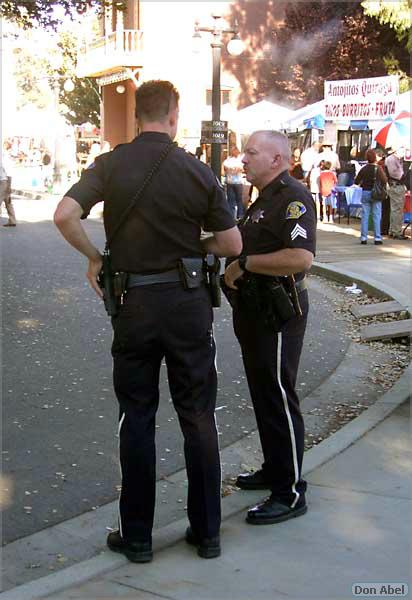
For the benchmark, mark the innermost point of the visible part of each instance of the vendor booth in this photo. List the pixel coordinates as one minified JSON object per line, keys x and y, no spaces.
{"x":305,"y":125}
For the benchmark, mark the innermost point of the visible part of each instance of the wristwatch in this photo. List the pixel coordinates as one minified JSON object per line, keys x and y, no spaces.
{"x":242,"y":262}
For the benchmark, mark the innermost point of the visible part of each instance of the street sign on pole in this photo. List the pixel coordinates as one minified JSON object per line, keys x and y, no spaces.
{"x":214,"y":132}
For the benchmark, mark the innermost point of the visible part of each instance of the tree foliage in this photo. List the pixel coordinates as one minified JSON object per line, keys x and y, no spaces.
{"x":31,"y":77}
{"x":395,"y":14}
{"x":296,"y":46}
{"x":83,"y":103}
{"x":46,"y":13}
{"x":37,"y":77}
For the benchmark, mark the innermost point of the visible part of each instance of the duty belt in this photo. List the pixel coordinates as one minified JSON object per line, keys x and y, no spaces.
{"x":173,"y":276}
{"x":136,"y":280}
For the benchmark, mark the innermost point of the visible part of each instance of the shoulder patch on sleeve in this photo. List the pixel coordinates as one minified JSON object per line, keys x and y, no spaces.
{"x":295,"y":210}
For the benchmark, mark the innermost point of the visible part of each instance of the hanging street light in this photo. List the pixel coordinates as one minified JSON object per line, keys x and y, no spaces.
{"x":235,"y":47}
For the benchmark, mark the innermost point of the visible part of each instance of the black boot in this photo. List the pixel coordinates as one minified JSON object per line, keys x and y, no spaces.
{"x":272,"y":511}
{"x":206,"y":547}
{"x":252,"y":481}
{"x":139,"y":552}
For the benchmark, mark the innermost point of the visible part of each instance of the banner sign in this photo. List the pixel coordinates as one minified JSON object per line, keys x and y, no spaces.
{"x":214,"y":132}
{"x":359,"y":99}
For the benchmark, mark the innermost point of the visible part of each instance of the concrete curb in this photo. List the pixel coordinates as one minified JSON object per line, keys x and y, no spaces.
{"x":238,"y":501}
{"x":368,"y":284}
{"x":31,"y":195}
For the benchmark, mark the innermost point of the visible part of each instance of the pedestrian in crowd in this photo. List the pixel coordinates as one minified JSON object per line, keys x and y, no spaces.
{"x":233,"y":169}
{"x":309,"y":158}
{"x":349,"y":169}
{"x":295,"y":167}
{"x":278,"y":236}
{"x":5,"y":196}
{"x":313,"y":180}
{"x":366,"y":179}
{"x":47,"y":170}
{"x":386,"y":203}
{"x":328,"y":154}
{"x":327,"y":182}
{"x":354,"y":162}
{"x":396,"y":191}
{"x":165,"y":311}
{"x":95,"y":150}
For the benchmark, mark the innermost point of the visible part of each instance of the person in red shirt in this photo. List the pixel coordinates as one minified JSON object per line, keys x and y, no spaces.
{"x":327,"y":182}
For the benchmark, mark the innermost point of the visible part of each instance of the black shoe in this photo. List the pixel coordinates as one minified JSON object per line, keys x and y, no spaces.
{"x":364,"y":242}
{"x":206,"y":548}
{"x":272,"y":511}
{"x":378,"y":242}
{"x":139,"y":552}
{"x":252,"y":481}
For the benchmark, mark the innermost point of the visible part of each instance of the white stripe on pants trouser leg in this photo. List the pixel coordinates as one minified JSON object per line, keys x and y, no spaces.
{"x":120,"y":465}
{"x":289,"y":418}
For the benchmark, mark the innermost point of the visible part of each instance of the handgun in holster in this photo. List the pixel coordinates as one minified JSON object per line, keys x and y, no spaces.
{"x":213,"y":274}
{"x":293,"y":294}
{"x":113,"y":285}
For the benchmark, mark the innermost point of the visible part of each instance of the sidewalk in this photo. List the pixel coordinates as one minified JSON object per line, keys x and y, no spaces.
{"x":359,"y":497}
{"x":355,"y":532}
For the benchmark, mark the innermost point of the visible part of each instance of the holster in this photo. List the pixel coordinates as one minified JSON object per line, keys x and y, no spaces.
{"x":213,"y":273}
{"x":266,"y":298}
{"x":113,"y":285}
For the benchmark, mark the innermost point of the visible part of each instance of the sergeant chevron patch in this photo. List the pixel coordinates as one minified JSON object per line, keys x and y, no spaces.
{"x":297,"y":231}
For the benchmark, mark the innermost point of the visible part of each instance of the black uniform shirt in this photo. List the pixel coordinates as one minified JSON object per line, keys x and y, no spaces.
{"x":283,"y":216}
{"x":165,"y":225}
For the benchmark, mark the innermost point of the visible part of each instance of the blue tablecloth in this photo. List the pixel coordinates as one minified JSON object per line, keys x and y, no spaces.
{"x":349,"y":200}
{"x":353,"y":195}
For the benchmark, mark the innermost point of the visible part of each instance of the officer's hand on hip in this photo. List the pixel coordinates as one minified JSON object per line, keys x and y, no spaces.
{"x":232,"y":273}
{"x":95,"y":266}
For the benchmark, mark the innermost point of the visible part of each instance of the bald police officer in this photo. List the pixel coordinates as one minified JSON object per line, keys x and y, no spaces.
{"x":278,"y":234}
{"x":158,"y":318}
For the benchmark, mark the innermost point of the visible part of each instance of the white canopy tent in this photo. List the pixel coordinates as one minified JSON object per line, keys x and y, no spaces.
{"x":262,"y":115}
{"x":301,"y":116}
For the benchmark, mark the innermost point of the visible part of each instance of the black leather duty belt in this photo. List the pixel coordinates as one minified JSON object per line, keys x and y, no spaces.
{"x":301,"y":285}
{"x":135,"y":280}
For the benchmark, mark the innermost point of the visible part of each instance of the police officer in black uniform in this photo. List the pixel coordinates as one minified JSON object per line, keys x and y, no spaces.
{"x":158,"y":318}
{"x":278,"y":234}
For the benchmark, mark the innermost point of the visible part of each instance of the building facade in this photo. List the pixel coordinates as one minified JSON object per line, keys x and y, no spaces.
{"x":154,"y":40}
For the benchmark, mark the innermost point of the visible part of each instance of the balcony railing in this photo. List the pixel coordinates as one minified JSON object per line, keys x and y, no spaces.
{"x":122,"y":48}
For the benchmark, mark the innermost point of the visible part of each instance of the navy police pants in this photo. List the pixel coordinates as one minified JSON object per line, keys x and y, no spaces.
{"x":165,"y":321}
{"x":271,"y":363}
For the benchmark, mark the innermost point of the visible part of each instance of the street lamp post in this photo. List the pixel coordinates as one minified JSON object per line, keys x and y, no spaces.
{"x":56,"y":163}
{"x":235,"y":48}
{"x":68,"y":87}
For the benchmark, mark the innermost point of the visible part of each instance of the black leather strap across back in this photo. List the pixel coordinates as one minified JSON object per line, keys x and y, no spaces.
{"x":140,"y":192}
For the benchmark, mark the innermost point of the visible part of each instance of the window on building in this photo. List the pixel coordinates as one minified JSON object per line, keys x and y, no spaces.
{"x":224,"y":97}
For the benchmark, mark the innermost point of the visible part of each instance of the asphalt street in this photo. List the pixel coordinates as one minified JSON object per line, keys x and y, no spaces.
{"x":59,"y":446}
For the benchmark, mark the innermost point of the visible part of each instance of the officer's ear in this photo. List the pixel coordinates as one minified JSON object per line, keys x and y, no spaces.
{"x":174,"y":115}
{"x":276,"y":160}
